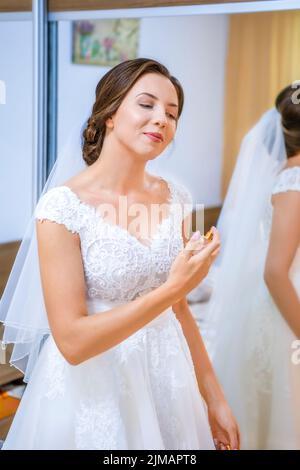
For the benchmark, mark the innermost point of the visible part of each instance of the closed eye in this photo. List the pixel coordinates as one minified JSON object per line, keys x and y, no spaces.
{"x":149,"y":106}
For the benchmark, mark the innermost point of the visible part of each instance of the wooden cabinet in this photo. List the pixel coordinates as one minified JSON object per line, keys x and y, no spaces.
{"x":8,"y":253}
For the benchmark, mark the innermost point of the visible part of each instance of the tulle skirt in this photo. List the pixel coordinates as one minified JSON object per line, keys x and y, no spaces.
{"x":140,"y":394}
{"x":258,"y":365}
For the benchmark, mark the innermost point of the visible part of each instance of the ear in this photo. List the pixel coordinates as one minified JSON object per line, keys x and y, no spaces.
{"x":109,"y":123}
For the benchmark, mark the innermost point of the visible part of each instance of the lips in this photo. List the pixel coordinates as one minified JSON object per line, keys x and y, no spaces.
{"x":154,"y":136}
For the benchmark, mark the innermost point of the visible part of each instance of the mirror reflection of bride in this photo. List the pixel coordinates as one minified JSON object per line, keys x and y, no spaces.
{"x":254,"y":312}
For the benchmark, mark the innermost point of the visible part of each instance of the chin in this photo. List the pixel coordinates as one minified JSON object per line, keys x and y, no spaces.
{"x":150,"y":157}
{"x":146,"y":154}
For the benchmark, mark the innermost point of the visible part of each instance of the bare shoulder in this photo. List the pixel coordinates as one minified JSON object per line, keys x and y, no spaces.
{"x":84,"y":188}
{"x":159,"y":188}
{"x":286,"y":209}
{"x":156,"y":190}
{"x":78,"y":183}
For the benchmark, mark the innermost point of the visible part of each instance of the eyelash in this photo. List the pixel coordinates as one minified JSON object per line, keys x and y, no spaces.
{"x":149,"y":106}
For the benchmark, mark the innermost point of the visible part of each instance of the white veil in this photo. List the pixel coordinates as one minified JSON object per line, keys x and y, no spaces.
{"x":242,"y":227}
{"x":22,"y":308}
{"x":240,"y":297}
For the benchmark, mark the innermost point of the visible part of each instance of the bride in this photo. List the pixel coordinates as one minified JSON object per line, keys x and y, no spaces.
{"x":254,"y":312}
{"x":102,"y":329}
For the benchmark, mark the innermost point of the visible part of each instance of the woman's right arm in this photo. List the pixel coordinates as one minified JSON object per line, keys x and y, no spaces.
{"x":80,"y":336}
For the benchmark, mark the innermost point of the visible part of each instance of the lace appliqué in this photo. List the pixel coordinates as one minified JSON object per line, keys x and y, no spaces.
{"x":58,"y":206}
{"x":260,"y":356}
{"x":167,"y":385}
{"x":163,"y":348}
{"x":116,"y":265}
{"x":288,"y":180}
{"x":55,"y":370}
{"x":98,"y":424}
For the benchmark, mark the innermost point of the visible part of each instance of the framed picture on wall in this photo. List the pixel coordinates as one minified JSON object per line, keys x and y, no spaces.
{"x":105,"y":42}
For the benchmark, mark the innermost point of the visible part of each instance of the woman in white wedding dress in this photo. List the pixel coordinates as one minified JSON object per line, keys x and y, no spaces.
{"x":123,"y":365}
{"x":254,"y":312}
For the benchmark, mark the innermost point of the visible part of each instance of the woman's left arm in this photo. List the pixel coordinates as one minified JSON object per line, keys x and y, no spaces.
{"x":283,"y":245}
{"x":223,"y":425}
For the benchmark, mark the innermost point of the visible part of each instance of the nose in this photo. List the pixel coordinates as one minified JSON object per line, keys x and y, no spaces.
{"x":160,"y":118}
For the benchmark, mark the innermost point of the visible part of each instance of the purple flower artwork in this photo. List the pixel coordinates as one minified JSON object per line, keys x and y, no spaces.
{"x":105,"y":42}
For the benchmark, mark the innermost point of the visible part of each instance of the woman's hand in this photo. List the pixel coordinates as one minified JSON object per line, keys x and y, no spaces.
{"x":223,"y":425}
{"x":193,"y":263}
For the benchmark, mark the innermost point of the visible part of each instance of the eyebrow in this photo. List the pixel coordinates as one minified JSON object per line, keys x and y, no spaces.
{"x":155,"y":97}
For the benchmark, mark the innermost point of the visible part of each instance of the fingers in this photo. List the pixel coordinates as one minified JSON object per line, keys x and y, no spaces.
{"x":217,"y":444}
{"x":209,"y":251}
{"x":234,"y":438}
{"x":215,"y":253}
{"x":234,"y":441}
{"x":196,"y":242}
{"x":214,"y":244}
{"x":238,"y":438}
{"x":199,"y":248}
{"x":220,"y":445}
{"x":230,"y":442}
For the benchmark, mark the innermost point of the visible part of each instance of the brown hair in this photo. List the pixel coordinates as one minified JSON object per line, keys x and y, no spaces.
{"x":288,"y":105}
{"x":110,"y":92}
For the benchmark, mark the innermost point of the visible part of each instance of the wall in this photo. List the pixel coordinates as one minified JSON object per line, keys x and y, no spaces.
{"x":15,"y":129}
{"x":194,"y":49}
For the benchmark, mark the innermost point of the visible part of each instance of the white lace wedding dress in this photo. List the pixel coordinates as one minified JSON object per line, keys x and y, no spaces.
{"x":263,"y":386}
{"x":140,"y":394}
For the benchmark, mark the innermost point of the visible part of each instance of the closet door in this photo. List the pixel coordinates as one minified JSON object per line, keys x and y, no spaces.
{"x":16,"y":143}
{"x":71,"y":5}
{"x":16,"y":118}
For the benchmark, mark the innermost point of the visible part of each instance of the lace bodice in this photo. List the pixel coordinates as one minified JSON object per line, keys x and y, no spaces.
{"x":288,"y":180}
{"x":264,"y":328}
{"x":117,"y":266}
{"x":141,"y":393}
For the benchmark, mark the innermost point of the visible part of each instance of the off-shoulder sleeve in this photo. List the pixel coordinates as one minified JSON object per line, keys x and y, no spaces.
{"x":59,"y":205}
{"x":288,"y":180}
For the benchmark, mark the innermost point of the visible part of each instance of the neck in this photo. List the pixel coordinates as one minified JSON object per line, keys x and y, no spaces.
{"x":118,"y":169}
{"x":293,"y":161}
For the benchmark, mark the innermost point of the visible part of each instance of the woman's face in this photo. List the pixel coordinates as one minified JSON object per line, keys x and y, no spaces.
{"x":140,"y":113}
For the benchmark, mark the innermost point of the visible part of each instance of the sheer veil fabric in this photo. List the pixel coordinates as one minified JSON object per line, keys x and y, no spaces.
{"x":243,"y":321}
{"x":241,"y":223}
{"x":22,"y":307}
